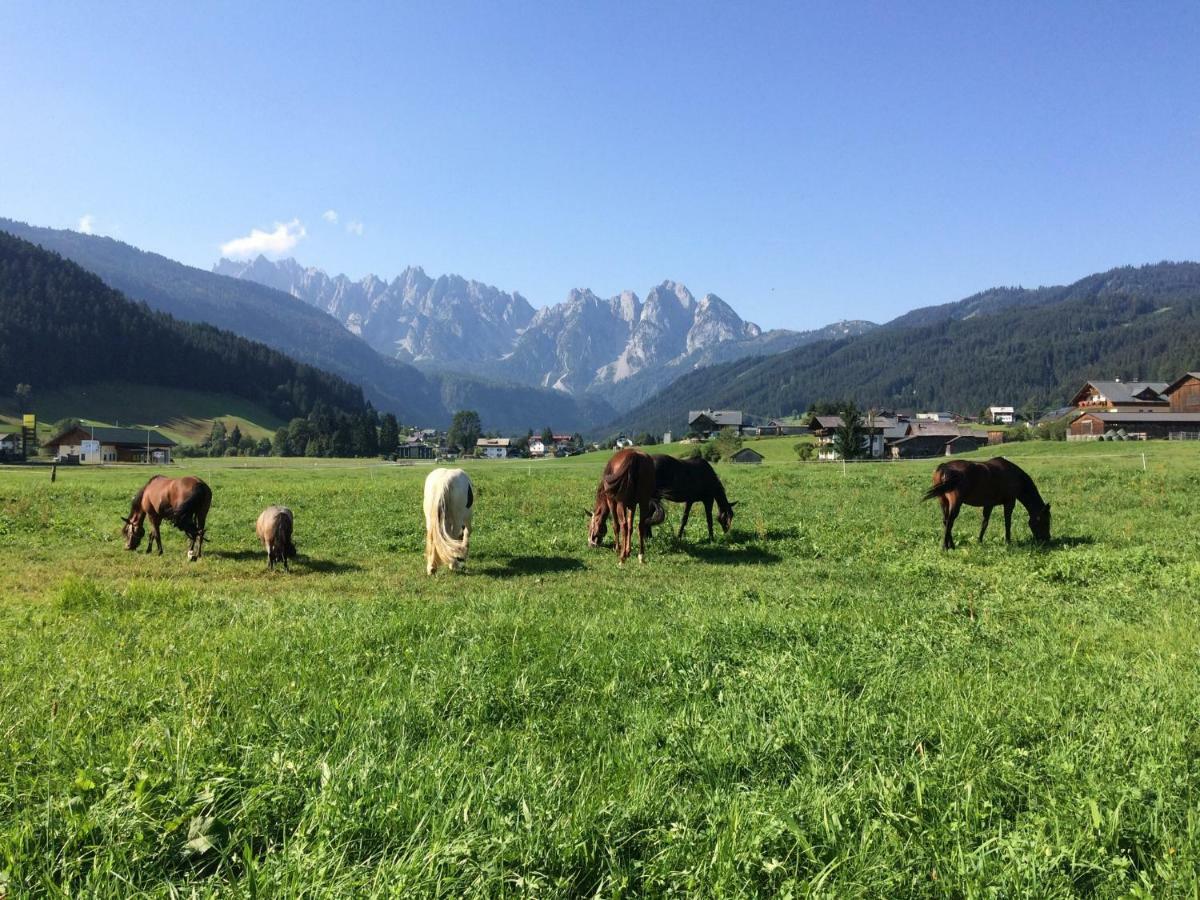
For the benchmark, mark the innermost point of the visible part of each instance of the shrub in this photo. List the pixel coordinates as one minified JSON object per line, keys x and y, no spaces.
{"x":806,"y":450}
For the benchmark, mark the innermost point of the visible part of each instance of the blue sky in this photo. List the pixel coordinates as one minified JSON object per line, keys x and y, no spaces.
{"x":805,"y":162}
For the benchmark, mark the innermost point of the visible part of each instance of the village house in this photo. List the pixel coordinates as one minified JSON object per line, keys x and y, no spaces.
{"x":415,"y":448}
{"x":93,"y":444}
{"x":1001,"y":415}
{"x":493,"y":448}
{"x":943,"y":418}
{"x":877,"y":432}
{"x":9,"y":442}
{"x":708,"y":422}
{"x":1122,"y":396}
{"x":780,"y":427}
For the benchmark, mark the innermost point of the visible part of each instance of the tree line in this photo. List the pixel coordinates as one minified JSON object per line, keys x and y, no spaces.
{"x":61,"y":326}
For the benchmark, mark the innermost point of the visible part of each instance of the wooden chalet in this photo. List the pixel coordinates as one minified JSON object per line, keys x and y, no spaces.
{"x":711,"y":421}
{"x":93,"y":444}
{"x":1122,"y":396}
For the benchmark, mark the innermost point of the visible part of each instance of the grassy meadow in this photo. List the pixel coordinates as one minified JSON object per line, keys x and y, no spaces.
{"x":821,"y":702}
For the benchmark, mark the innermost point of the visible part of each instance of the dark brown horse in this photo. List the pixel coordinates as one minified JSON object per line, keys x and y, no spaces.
{"x":627,"y":484}
{"x":183,"y":502}
{"x":689,"y":481}
{"x":994,"y":482}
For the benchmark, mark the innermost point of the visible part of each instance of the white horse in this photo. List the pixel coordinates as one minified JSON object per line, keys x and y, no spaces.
{"x":448,"y":504}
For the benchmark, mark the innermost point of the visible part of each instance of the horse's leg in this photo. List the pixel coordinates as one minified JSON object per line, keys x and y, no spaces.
{"x":430,"y":556}
{"x":987,"y":514}
{"x":1008,"y":511}
{"x":627,"y":544}
{"x":687,"y":508}
{"x":643,"y":528}
{"x":708,"y":515}
{"x":951,"y":515}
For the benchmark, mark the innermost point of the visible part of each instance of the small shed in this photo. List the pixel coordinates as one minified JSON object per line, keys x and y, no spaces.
{"x":747,"y":455}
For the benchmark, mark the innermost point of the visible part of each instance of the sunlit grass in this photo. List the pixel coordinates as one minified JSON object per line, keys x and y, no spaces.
{"x":822,"y":700}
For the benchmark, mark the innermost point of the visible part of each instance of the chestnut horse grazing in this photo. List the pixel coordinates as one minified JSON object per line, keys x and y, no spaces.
{"x":274,"y":527}
{"x":689,"y":481}
{"x":627,"y":483}
{"x":183,"y":502}
{"x":994,"y":482}
{"x":449,"y":499}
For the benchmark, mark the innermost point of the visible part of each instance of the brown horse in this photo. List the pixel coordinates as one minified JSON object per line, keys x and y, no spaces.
{"x":689,"y":481}
{"x":994,"y":482}
{"x":184,"y":502}
{"x":627,"y":483}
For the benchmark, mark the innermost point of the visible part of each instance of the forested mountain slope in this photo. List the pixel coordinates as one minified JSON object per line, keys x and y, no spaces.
{"x":61,"y":325}
{"x":1011,"y":346}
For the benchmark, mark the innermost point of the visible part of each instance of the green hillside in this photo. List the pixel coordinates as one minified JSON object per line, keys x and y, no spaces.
{"x":182,"y":415}
{"x":1014,"y":347}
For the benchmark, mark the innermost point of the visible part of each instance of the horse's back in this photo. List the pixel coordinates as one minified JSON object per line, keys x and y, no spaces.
{"x":450,"y":489}
{"x":271,"y":518}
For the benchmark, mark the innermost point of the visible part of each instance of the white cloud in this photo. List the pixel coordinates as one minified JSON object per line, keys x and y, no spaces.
{"x":355,"y":228}
{"x":330,"y":216}
{"x":87,"y":224}
{"x":269,"y":243}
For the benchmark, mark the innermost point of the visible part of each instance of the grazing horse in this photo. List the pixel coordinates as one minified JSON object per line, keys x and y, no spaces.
{"x":627,"y":484}
{"x":994,"y":482}
{"x":183,"y":502}
{"x":689,"y":481}
{"x":449,"y":499}
{"x":274,"y":527}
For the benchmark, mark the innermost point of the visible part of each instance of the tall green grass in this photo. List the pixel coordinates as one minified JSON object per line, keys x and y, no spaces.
{"x":820,"y":702}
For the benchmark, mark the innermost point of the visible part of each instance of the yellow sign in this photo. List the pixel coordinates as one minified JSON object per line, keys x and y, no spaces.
{"x":30,"y":420}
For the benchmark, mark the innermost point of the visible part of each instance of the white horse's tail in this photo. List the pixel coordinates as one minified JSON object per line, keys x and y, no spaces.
{"x":448,"y":549}
{"x":446,"y":512}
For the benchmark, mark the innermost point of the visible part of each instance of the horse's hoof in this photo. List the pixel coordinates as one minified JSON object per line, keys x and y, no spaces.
{"x":641,"y":558}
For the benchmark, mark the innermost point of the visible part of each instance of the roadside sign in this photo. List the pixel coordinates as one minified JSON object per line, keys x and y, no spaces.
{"x":30,"y":420}
{"x":86,"y":448}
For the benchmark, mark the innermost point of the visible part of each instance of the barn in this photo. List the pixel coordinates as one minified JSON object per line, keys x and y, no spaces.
{"x":1150,"y":426}
{"x":748,"y":456}
{"x":91,"y":444}
{"x":1184,"y":393}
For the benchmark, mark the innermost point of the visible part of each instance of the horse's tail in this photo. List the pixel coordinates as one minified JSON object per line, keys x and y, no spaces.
{"x":446,"y":547}
{"x":947,"y":480}
{"x":282,"y":537}
{"x":625,"y":480}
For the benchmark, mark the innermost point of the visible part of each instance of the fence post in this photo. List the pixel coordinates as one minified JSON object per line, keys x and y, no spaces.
{"x":1143,"y":462}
